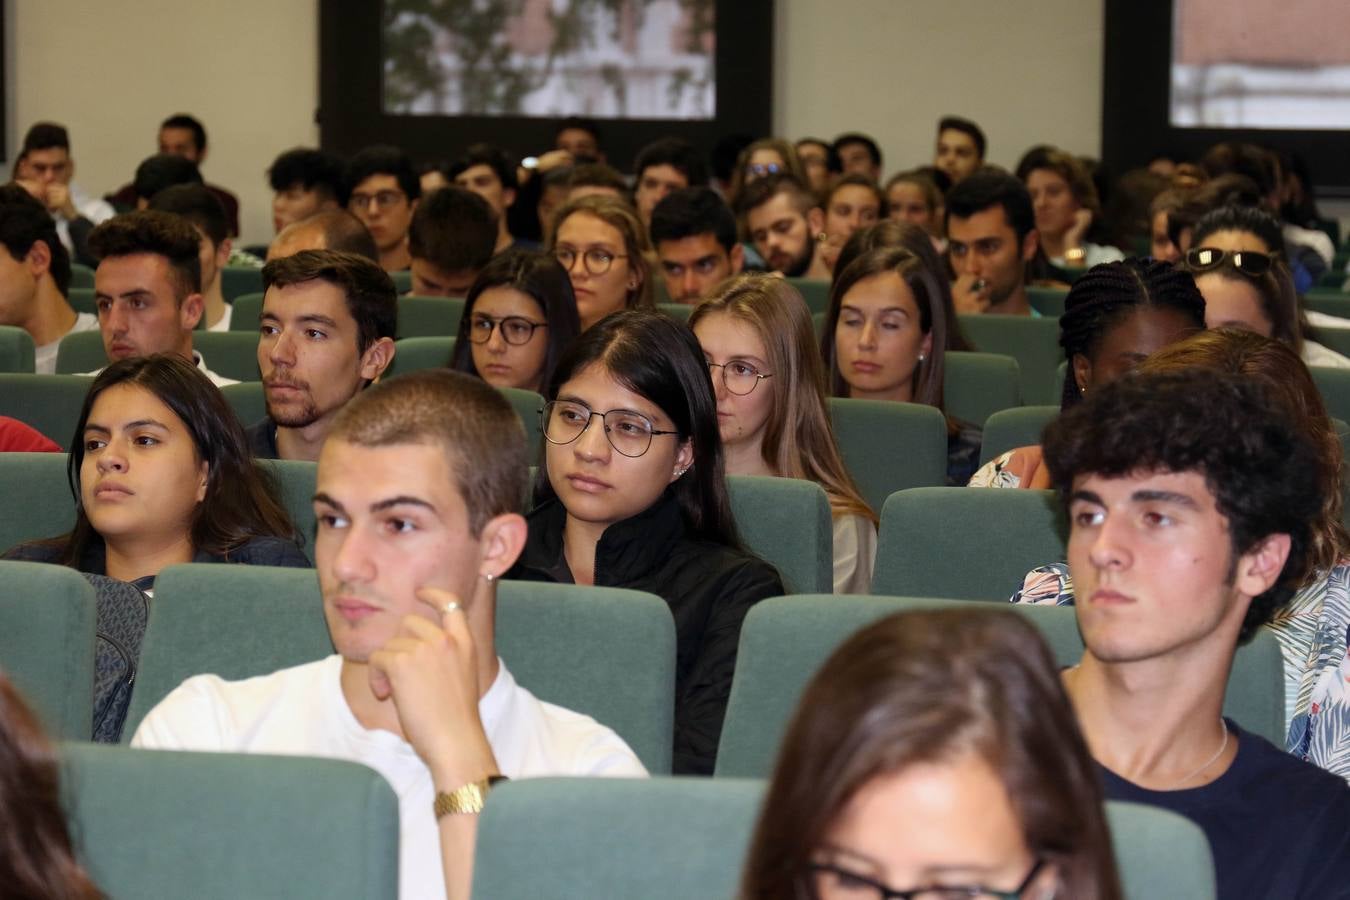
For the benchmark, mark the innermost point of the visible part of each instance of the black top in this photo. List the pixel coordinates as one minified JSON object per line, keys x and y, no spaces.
{"x":963,"y":452}
{"x":262,"y":439}
{"x":709,"y":586}
{"x":257,"y":551}
{"x":1278,"y":827}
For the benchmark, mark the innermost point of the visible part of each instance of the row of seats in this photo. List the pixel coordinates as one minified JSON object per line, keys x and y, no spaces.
{"x":159,"y":824}
{"x":606,"y":652}
{"x":235,"y":281}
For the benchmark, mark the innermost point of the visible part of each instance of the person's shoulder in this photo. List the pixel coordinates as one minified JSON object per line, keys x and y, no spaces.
{"x":1261,"y":766}
{"x":1012,"y":469}
{"x":44,"y":551}
{"x":266,"y":550}
{"x":567,"y":742}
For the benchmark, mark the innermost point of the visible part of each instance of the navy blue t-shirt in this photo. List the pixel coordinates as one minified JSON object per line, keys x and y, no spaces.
{"x":1278,"y":827}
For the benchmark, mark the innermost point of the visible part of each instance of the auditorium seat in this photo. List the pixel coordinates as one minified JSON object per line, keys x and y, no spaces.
{"x":1009,"y":429}
{"x":1033,"y":342}
{"x":247,"y":308}
{"x":49,"y":403}
{"x":81,"y":300}
{"x":414,"y":353}
{"x":230,"y":354}
{"x":247,"y":400}
{"x":37,"y":501}
{"x":787,"y":523}
{"x":402,"y":281}
{"x":815,"y":292}
{"x":16,"y":350}
{"x":238,"y":280}
{"x":1334,"y":385}
{"x":1047,"y":301}
{"x":81,"y":276}
{"x":429,"y":316}
{"x":977,"y":385}
{"x":678,"y":311}
{"x":889,"y":446}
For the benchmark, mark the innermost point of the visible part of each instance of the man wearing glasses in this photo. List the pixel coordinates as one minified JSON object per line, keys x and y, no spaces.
{"x":383,"y":190}
{"x":694,"y":233}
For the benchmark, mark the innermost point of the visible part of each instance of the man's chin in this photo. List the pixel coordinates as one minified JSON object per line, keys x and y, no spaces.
{"x":293,"y":418}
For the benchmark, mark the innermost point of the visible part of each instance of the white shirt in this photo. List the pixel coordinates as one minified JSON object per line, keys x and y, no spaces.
{"x":45,"y":356}
{"x":855,"y":552}
{"x":218,"y":380}
{"x":91,"y":208}
{"x":301,"y":712}
{"x":1314,"y":354}
{"x":224,"y":323}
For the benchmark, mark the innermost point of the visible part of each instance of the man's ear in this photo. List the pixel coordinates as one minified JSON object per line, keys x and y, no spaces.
{"x":1259,"y":568}
{"x":1029,"y":245}
{"x":815,"y":218}
{"x":39,"y":259}
{"x":737,"y":258}
{"x":223,"y":251}
{"x":190,"y":311}
{"x":508,"y":198}
{"x":377,"y":358}
{"x":502,"y":540}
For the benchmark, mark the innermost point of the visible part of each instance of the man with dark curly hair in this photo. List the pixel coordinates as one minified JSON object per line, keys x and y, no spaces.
{"x":1191,"y":497}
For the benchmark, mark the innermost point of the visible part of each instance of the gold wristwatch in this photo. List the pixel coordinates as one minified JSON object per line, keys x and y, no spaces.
{"x":1075,"y":256}
{"x":468,"y":798}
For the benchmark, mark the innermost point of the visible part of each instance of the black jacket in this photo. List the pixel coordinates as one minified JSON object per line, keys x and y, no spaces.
{"x":257,"y":551}
{"x":710,"y":588}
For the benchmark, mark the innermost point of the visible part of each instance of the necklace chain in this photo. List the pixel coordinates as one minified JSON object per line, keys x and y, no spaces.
{"x":1209,"y":762}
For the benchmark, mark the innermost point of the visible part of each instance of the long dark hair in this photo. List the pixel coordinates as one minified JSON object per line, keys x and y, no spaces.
{"x":240,"y":499}
{"x":37,"y":859}
{"x":659,"y":358}
{"x":538,"y":276}
{"x":925,"y":687}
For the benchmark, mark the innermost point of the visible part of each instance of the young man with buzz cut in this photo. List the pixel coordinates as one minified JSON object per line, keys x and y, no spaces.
{"x":694,"y":233}
{"x":1190,"y":497}
{"x":453,"y":235}
{"x":327,"y":331}
{"x":419,"y":496}
{"x":991,"y":237}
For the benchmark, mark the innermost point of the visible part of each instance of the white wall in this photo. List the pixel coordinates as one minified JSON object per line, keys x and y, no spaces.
{"x":112,"y":71}
{"x":1028,"y":71}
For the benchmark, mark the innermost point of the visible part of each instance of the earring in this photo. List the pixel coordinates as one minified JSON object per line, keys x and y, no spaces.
{"x":1082,"y":390}
{"x":822,"y":237}
{"x":488,"y":577}
{"x":679,"y":473}
{"x":922,"y":357}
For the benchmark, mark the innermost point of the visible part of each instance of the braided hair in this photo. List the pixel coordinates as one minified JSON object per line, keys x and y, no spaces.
{"x":1108,"y":294}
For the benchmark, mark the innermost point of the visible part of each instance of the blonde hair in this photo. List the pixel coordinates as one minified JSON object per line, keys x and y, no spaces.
{"x":618,"y":215}
{"x":785,"y":151}
{"x":799,"y":441}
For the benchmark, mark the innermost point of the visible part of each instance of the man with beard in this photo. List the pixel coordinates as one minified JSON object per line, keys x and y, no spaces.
{"x":784,"y":220}
{"x":327,"y":331}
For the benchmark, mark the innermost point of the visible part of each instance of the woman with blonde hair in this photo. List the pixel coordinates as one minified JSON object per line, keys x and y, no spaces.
{"x":605,"y":249}
{"x":767,"y":156}
{"x":757,"y":337}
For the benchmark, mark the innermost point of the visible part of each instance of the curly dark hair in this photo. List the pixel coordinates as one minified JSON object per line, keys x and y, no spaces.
{"x":1263,"y":470}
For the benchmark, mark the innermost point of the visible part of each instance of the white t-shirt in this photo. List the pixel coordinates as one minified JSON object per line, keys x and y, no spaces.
{"x":224,"y":323}
{"x":199,"y":361}
{"x":45,"y":356}
{"x":301,"y":712}
{"x":855,"y":552}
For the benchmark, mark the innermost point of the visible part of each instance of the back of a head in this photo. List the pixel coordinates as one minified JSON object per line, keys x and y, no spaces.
{"x":471,"y":421}
{"x":331,"y":229}
{"x":157,"y":233}
{"x":1264,"y":472}
{"x":163,"y":170}
{"x":45,"y":136}
{"x":454,"y":229}
{"x":196,"y":204}
{"x":692,"y":212}
{"x":369,"y":291}
{"x":23,"y":222}
{"x":966,"y":127}
{"x":312,"y":170}
{"x":1241,"y":158}
{"x":598,"y":175}
{"x":384,"y":159}
{"x":1107,"y":294}
{"x":928,"y":688}
{"x":677,"y":153}
{"x":989,"y":187}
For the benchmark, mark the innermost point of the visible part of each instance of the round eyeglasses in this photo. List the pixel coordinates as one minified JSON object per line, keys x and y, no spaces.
{"x":630,"y":433}
{"x":831,"y":881}
{"x":516,"y":330}
{"x":595,"y":260}
{"x":381,"y":199}
{"x":1248,"y":262}
{"x":739,"y":376}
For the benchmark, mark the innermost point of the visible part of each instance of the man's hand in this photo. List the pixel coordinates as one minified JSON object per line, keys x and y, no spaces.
{"x":430,"y":673}
{"x":1082,"y":221}
{"x":58,"y":200}
{"x":970,"y":294}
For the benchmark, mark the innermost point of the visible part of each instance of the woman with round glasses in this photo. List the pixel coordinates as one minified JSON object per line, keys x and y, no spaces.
{"x":1237,"y":259}
{"x":518,"y":316}
{"x":765,"y":157}
{"x":604,"y":248}
{"x":885,"y":337}
{"x":632,"y":494}
{"x":934,"y":756}
{"x":769,"y":384}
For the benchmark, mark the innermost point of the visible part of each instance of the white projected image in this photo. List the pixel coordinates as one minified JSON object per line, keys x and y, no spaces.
{"x":633,"y":59}
{"x":1251,"y":64}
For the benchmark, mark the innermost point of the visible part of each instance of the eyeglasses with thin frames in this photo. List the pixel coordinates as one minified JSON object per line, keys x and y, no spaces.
{"x":739,"y":376}
{"x":516,"y":330}
{"x":381,"y":199}
{"x":628,"y":432}
{"x":829,"y":881}
{"x":596,"y":261}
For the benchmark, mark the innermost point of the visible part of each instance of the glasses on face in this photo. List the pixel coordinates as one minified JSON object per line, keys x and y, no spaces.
{"x":595,"y":260}
{"x":381,"y":199}
{"x":759,"y":170}
{"x":1248,"y":262}
{"x":739,"y":376}
{"x":830,"y":881}
{"x":629,"y":433}
{"x":516,"y":330}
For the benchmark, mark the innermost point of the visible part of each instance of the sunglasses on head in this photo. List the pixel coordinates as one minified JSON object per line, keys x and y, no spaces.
{"x":1248,"y":262}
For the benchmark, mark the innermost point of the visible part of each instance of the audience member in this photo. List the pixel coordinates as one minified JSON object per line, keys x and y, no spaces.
{"x":1164,"y":205}
{"x":19,"y":437}
{"x":885,"y":338}
{"x":696,"y":243}
{"x":519,"y":316}
{"x":1066,"y":207}
{"x":45,"y":168}
{"x":913,"y":197}
{"x":757,"y":329}
{"x":201,"y":209}
{"x":935,"y":754}
{"x":604,"y":248}
{"x":434,"y":176}
{"x":1114,"y":316}
{"x":960,"y":148}
{"x":382,"y":191}
{"x":327,"y":331}
{"x":161,"y":474}
{"x":852,"y":202}
{"x":160,"y":172}
{"x":332,"y":229}
{"x":784,"y":221}
{"x":35,"y":277}
{"x":991,"y":237}
{"x":418,"y":498}
{"x":39,"y":858}
{"x":596,"y":178}
{"x":580,"y":137}
{"x":724,"y":158}
{"x":454,"y":233}
{"x":305,"y":182}
{"x":665,"y":165}
{"x":184,"y":136}
{"x":641,"y":502}
{"x":1192,"y":498}
{"x":765,"y":157}
{"x":148,"y":287}
{"x":488,"y":172}
{"x":814,"y":155}
{"x":857,"y":154}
